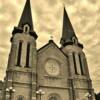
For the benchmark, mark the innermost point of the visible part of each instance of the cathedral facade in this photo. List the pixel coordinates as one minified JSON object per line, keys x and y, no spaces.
{"x":49,"y":73}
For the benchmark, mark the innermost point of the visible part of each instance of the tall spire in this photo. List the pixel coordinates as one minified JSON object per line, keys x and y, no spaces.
{"x":26,"y":17}
{"x":68,"y":33}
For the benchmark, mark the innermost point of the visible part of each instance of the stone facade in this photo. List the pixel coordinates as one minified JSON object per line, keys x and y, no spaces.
{"x":50,"y":73}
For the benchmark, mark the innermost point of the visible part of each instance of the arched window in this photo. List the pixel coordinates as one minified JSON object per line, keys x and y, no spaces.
{"x":28,"y":55}
{"x":75,"y":66}
{"x":75,"y":40}
{"x":81,"y":64}
{"x":20,"y":98}
{"x":53,"y":98}
{"x":26,"y":28}
{"x":19,"y":53}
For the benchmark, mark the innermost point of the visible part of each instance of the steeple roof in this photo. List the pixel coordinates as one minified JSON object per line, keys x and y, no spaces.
{"x":68,"y":32}
{"x":26,"y":17}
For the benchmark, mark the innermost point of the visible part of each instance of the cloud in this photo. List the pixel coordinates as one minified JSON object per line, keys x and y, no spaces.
{"x":47,"y":18}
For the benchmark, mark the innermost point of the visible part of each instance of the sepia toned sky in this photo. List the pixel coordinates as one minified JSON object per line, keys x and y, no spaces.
{"x":47,"y":18}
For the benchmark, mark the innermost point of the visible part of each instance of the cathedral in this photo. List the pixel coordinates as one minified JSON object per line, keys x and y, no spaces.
{"x":48,"y":73}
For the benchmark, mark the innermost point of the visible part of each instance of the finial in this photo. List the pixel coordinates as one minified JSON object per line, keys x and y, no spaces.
{"x":51,"y":37}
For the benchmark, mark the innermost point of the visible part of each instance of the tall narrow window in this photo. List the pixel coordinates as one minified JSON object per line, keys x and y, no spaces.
{"x":81,"y":67}
{"x":75,"y":67}
{"x":19,"y":53}
{"x":28,"y":55}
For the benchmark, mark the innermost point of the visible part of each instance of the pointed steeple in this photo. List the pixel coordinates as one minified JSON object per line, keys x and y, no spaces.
{"x":26,"y":19}
{"x":68,"y":34}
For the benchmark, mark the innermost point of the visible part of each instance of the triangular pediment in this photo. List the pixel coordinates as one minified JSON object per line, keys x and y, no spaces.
{"x":51,"y":47}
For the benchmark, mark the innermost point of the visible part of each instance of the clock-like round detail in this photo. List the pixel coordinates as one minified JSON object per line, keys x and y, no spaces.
{"x":52,"y":67}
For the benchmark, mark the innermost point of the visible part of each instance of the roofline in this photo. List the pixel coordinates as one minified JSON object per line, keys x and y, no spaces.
{"x":51,"y":41}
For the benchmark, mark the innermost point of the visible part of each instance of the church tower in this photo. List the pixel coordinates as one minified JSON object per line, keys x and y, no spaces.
{"x":79,"y":78}
{"x":20,"y":80}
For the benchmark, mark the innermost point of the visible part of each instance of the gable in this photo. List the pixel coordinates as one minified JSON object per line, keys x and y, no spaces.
{"x":51,"y":58}
{"x":51,"y":47}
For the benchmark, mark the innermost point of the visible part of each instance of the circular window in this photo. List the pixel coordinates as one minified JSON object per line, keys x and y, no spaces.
{"x":52,"y":67}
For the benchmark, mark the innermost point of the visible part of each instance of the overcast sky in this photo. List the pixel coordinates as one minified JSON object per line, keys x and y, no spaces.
{"x":47,"y":18}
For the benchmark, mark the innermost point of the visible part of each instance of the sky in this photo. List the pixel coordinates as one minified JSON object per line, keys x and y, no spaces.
{"x":48,"y":19}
